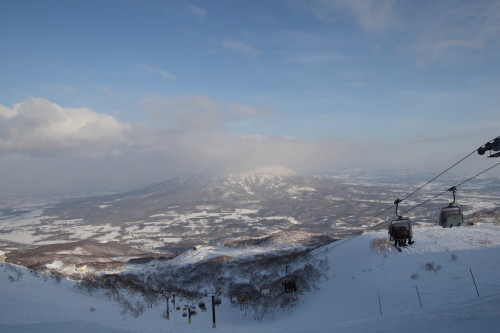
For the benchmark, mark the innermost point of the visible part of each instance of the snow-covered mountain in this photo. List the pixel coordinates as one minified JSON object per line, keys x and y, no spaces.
{"x":213,"y":208}
{"x":447,"y":281}
{"x":224,"y":190}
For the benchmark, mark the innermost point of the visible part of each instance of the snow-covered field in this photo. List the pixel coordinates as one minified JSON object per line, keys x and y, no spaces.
{"x":297,"y":202}
{"x":429,"y":287}
{"x":31,"y":228}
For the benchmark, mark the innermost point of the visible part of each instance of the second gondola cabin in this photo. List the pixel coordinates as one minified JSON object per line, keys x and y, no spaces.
{"x":451,"y":215}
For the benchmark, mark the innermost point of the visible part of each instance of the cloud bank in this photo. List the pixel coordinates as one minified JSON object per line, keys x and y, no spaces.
{"x":194,"y":130}
{"x":44,"y":146}
{"x":39,"y":127}
{"x":198,"y":129}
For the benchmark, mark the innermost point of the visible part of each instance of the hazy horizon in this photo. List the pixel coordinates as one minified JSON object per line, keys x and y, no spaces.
{"x":120,"y":94}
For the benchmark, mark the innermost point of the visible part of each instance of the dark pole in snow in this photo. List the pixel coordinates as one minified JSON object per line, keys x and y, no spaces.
{"x":213,"y":294}
{"x":213,"y":311}
{"x":190,"y":309}
{"x":418,"y":294}
{"x":168,"y":309}
{"x":167,"y":297}
{"x":379,"y":304}
{"x":474,"y":282}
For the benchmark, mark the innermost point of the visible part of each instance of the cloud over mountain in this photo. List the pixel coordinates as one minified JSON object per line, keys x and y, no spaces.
{"x":44,"y":146}
{"x":199,"y":130}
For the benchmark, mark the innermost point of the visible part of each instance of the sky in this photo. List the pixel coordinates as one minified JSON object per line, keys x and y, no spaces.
{"x":110,"y":95}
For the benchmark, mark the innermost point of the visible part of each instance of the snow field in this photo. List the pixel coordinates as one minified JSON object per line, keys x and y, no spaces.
{"x":439,"y":264}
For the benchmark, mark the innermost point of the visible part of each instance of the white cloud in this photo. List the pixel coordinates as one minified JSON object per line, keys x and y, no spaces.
{"x":6,"y":113}
{"x":265,"y":19}
{"x":186,"y":111}
{"x":316,"y":57}
{"x":371,"y":15}
{"x":196,"y":11}
{"x":39,"y":127}
{"x":187,"y":133}
{"x":437,"y":31}
{"x":450,"y":31}
{"x":197,"y":131}
{"x":164,"y":74}
{"x":238,"y":46}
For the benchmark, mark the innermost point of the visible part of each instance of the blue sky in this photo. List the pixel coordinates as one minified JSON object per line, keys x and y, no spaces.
{"x":120,"y":93}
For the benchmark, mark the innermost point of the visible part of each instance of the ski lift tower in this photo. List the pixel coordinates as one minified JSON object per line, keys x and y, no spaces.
{"x":215,"y":301}
{"x":167,"y":295}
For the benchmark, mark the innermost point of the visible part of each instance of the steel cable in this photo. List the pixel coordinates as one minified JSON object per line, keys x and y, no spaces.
{"x":343,"y":240}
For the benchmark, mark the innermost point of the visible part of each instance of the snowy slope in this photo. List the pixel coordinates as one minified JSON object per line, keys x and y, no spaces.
{"x":439,"y":264}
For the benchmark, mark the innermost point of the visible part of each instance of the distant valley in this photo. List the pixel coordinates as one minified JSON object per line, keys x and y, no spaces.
{"x":230,"y":209}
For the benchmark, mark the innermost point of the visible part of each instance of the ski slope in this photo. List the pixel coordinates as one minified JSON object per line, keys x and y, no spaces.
{"x":365,"y":291}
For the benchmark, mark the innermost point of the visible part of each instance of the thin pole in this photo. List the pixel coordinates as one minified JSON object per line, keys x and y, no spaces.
{"x":168,"y":309}
{"x":213,"y":311}
{"x":418,"y":294}
{"x":379,"y":304}
{"x":474,"y":281}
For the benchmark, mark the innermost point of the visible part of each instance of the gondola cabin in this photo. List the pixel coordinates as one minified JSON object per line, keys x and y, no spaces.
{"x":400,"y":231}
{"x":451,"y":216}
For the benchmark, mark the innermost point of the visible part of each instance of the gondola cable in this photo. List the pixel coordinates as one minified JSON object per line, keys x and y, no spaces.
{"x":343,"y":240}
{"x":418,"y":189}
{"x":442,"y":173}
{"x":491,"y":145}
{"x":465,"y":181}
{"x":414,"y":207}
{"x":409,"y":195}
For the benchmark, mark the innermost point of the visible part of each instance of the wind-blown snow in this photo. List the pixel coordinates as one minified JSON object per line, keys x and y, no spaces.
{"x":438,"y":265}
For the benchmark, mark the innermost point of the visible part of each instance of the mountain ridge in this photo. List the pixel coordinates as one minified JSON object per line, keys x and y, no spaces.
{"x":209,"y":207}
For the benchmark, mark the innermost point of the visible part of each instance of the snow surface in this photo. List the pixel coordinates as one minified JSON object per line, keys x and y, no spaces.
{"x":366,"y":291}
